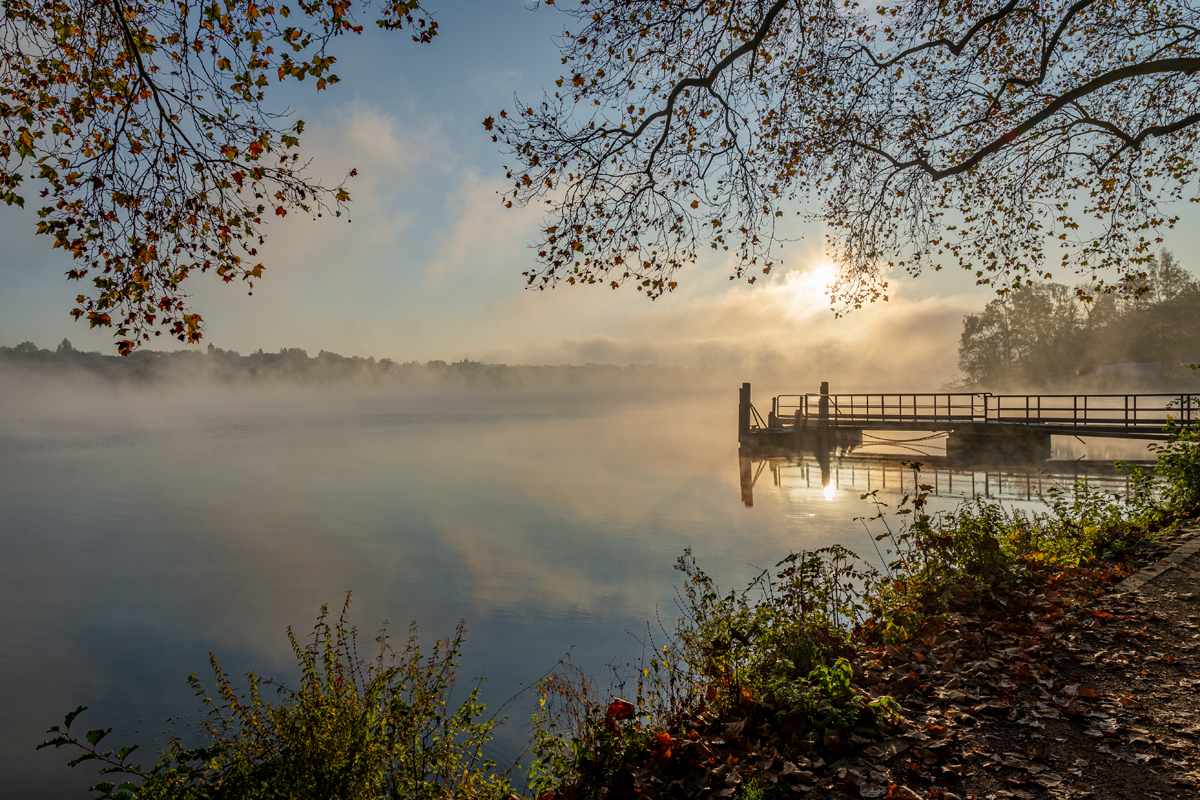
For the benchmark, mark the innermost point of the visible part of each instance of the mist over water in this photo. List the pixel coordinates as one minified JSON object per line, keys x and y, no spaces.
{"x":142,"y":527}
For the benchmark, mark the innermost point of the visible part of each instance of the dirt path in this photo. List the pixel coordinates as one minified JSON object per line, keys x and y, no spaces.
{"x":1113,"y":712}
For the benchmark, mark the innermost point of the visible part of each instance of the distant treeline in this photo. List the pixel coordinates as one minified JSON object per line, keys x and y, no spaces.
{"x":1046,"y":337}
{"x":296,"y":366}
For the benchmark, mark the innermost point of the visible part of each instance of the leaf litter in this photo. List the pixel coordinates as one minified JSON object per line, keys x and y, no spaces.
{"x":1054,"y":686}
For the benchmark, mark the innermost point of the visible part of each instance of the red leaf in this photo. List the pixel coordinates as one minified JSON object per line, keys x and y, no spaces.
{"x":620,"y":709}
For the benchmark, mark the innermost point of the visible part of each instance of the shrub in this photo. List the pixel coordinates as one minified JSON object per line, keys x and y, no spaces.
{"x":1178,"y":464}
{"x":352,"y":730}
{"x":824,"y":696}
{"x":740,"y":646}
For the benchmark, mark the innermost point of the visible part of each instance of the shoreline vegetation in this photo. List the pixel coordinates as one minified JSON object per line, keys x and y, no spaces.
{"x":800,"y":684}
{"x":295,"y":366}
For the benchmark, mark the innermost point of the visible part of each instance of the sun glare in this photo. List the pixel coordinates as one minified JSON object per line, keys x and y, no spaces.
{"x":808,"y":289}
{"x":823,"y":274}
{"x":830,"y":491}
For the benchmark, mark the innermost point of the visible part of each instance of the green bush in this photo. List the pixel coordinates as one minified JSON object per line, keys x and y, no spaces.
{"x":1178,"y":465}
{"x":824,"y":696}
{"x":351,"y":730}
{"x":738,"y":646}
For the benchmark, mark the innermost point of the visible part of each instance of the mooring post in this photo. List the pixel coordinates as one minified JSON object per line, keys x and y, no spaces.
{"x":744,"y":412}
{"x":823,"y":405}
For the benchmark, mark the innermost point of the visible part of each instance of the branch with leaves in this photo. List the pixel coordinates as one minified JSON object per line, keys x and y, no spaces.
{"x":1012,"y":137}
{"x":146,"y":128}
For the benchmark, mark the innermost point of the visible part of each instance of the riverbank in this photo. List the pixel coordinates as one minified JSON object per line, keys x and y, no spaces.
{"x":1061,"y":685}
{"x":1113,"y":710}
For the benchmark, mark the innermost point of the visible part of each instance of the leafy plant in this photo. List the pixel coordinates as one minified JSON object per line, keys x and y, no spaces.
{"x":782,"y":626}
{"x":824,"y":696}
{"x":1178,"y":464}
{"x":351,"y":730}
{"x":581,"y":743}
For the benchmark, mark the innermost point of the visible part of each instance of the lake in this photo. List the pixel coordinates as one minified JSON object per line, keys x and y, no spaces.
{"x":142,"y":530}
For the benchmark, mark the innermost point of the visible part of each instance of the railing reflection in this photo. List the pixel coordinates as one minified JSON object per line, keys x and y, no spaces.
{"x":863,"y":474}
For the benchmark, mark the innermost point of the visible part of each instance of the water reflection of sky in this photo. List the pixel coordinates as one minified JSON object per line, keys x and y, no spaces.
{"x":132,"y":549}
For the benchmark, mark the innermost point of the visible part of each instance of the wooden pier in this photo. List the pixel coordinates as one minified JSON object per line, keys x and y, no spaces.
{"x":980,"y":426}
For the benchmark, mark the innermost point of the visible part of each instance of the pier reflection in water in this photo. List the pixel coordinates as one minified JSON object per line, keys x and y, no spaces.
{"x":888,"y":467}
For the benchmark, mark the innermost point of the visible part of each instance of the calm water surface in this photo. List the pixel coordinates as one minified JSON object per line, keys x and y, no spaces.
{"x":132,"y":548}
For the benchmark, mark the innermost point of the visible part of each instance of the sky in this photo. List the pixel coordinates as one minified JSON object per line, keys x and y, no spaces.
{"x":429,"y":265}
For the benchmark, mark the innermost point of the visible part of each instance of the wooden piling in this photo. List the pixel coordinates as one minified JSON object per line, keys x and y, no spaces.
{"x":744,"y":412}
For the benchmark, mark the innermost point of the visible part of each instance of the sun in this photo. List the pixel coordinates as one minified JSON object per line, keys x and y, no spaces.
{"x":809,"y":289}
{"x":823,"y":274}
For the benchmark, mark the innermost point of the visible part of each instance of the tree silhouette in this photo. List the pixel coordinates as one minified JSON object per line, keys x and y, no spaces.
{"x":1012,"y":137}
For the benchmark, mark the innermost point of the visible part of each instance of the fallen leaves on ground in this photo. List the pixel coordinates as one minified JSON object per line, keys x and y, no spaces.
{"x":1049,"y":686}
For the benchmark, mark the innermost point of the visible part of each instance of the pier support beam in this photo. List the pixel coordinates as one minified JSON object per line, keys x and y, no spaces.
{"x":979,"y":444}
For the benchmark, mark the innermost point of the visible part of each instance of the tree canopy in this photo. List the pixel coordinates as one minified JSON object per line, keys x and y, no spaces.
{"x":1016,"y":138}
{"x":145,"y":128}
{"x":1045,"y":336}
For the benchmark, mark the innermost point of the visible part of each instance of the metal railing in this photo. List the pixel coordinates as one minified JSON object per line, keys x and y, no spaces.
{"x":841,"y":409}
{"x":1124,"y":411}
{"x":1129,"y":412}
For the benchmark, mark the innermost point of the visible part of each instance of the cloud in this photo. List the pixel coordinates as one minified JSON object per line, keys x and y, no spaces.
{"x":782,"y":329}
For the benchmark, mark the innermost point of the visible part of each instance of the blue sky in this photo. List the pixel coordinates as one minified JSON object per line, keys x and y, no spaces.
{"x":430,"y":266}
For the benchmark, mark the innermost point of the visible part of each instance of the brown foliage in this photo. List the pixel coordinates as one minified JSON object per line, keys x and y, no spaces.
{"x":146,"y":126}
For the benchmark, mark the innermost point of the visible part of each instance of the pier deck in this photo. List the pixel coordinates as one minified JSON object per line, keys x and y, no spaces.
{"x":978,"y":423}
